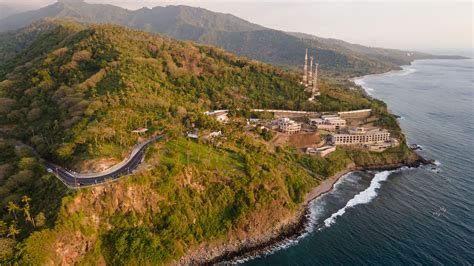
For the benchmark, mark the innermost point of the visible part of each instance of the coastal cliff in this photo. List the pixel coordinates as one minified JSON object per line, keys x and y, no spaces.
{"x":286,"y":228}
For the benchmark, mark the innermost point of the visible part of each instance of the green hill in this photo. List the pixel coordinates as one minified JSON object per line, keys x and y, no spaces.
{"x":66,"y":83}
{"x":74,"y":93}
{"x":336,"y":58}
{"x":73,"y":83}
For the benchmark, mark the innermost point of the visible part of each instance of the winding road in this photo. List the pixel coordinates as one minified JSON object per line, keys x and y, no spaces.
{"x":126,"y":167}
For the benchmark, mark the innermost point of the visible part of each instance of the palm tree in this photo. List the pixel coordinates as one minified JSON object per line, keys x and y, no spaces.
{"x":12,"y":208}
{"x":25,"y":199}
{"x":13,"y":231}
{"x":26,"y":210}
{"x":3,"y":228}
{"x":28,"y":218}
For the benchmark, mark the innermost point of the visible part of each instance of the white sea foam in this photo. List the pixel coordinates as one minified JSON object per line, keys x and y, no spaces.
{"x":405,"y":71}
{"x":340,"y":180}
{"x":363,"y":197}
{"x":359,"y":81}
{"x":368,"y":89}
{"x":280,"y":245}
{"x":275,"y":247}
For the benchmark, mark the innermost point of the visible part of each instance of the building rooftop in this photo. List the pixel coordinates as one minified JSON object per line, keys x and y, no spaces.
{"x":365,"y":131}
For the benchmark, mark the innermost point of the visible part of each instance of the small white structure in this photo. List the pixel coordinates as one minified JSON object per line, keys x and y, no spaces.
{"x":193,"y":135}
{"x":381,"y":146}
{"x":361,"y":136}
{"x":215,"y":134}
{"x":220,"y":115}
{"x":288,"y":126}
{"x":253,"y":121}
{"x":140,"y":130}
{"x":321,"y":151}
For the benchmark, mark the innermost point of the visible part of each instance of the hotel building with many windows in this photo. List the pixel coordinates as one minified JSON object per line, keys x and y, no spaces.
{"x":361,"y":136}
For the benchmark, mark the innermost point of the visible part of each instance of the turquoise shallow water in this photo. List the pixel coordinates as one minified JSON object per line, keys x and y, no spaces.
{"x":409,"y":216}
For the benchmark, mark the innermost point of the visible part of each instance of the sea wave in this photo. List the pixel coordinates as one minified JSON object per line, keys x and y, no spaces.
{"x":369,"y":90}
{"x":404,"y":72}
{"x":279,"y":246}
{"x":361,"y":82}
{"x":318,"y":205}
{"x":363,"y":197}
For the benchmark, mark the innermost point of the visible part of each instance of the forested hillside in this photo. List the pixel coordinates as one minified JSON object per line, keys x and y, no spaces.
{"x":77,"y":89}
{"x":77,"y":92}
{"x":72,"y":93}
{"x":336,"y":58}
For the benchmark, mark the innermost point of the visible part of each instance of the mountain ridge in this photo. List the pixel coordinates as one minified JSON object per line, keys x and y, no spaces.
{"x":232,"y":33}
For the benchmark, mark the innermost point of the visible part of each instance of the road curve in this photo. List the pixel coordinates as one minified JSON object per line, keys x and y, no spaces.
{"x":126,"y":167}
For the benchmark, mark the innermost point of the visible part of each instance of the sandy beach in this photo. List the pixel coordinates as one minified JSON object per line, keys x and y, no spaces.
{"x":325,"y":186}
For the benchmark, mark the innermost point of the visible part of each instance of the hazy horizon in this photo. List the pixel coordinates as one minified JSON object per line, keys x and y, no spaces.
{"x":433,"y":27}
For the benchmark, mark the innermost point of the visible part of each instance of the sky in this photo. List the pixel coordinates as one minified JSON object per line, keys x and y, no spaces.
{"x":442,"y":27}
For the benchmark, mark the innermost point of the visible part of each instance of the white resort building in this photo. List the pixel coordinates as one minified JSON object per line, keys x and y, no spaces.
{"x":288,"y":126}
{"x":328,"y":122}
{"x":361,"y":136}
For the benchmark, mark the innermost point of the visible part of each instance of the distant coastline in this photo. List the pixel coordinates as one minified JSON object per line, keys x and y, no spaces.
{"x":401,"y":67}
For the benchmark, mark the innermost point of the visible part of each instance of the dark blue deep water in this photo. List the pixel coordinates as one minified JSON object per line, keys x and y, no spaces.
{"x":409,"y":216}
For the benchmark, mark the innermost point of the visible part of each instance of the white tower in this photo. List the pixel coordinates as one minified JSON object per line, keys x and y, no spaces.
{"x":315,"y":81}
{"x":305,"y":69}
{"x":310,"y":74}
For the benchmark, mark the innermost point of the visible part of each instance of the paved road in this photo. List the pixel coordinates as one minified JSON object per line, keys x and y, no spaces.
{"x":75,"y":180}
{"x":213,"y":112}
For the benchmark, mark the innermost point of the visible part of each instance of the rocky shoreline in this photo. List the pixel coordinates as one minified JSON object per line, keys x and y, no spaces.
{"x":292,"y":230}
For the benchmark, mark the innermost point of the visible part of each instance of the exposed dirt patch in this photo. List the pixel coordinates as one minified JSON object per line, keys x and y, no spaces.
{"x":94,"y":166}
{"x":115,"y":197}
{"x":300,"y":140}
{"x":72,"y":247}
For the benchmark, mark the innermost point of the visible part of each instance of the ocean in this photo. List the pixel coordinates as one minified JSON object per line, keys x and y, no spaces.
{"x":408,"y":216}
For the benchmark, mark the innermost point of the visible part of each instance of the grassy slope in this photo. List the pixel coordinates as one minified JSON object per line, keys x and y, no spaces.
{"x":76,"y":93}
